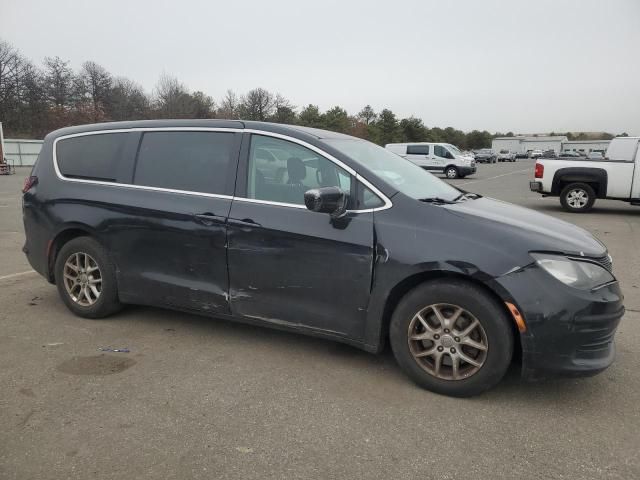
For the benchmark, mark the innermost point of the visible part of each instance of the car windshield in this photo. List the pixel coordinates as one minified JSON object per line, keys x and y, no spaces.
{"x":405,"y":176}
{"x":455,"y":150}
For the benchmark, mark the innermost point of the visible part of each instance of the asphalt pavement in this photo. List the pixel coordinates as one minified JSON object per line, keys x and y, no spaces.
{"x":202,"y":398}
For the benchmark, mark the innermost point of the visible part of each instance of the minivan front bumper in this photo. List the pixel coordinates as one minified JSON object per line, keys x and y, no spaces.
{"x":569,"y":332}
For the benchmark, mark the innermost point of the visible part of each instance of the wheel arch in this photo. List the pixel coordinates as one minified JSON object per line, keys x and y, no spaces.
{"x":597,"y":178}
{"x":451,"y":165}
{"x":63,"y":236}
{"x":407,"y":284}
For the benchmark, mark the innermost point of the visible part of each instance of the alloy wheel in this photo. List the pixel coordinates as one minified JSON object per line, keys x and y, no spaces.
{"x":447,"y":341}
{"x":82,"y":279}
{"x":577,"y":198}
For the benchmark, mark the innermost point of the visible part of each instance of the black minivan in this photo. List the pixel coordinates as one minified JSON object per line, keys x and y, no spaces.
{"x":320,"y":233}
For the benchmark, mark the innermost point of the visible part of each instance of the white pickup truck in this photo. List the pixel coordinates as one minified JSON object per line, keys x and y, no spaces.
{"x":579,"y":182}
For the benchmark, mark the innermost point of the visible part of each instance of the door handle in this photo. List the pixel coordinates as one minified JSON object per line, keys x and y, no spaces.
{"x":209,"y":219}
{"x":245,"y":222}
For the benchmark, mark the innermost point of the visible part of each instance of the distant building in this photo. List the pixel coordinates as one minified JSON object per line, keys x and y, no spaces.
{"x":560,"y":143}
{"x":522,"y":144}
{"x":585,"y":146}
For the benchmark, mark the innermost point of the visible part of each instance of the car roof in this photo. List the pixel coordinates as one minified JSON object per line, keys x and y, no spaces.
{"x":296,"y":131}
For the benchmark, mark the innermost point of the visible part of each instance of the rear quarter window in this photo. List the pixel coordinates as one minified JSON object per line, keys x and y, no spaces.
{"x":92,"y":157}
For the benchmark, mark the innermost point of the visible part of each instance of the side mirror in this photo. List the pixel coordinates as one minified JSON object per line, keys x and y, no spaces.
{"x":331,"y":200}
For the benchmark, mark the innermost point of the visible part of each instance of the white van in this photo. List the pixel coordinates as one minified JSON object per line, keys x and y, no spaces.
{"x":436,"y":157}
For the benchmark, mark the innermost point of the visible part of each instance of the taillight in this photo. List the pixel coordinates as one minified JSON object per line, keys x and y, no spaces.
{"x":539,"y":170}
{"x":29,"y":183}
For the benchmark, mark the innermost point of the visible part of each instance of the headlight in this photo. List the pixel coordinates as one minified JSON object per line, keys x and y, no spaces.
{"x":575,"y":273}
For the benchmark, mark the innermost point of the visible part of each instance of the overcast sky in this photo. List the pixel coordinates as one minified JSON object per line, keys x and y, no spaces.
{"x":526,"y":66}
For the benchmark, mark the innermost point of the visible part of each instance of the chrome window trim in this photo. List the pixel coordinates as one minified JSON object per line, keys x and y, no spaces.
{"x":383,"y":197}
{"x":319,"y":151}
{"x":269,"y":202}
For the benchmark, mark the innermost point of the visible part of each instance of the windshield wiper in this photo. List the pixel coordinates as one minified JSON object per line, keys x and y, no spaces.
{"x":435,"y":200}
{"x":466,"y":195}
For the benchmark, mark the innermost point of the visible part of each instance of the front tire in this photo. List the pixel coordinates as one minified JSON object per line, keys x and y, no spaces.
{"x":577,"y":198}
{"x":451,"y":338}
{"x":451,"y":172}
{"x":85,"y":278}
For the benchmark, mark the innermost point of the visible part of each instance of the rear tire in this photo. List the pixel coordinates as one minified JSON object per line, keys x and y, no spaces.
{"x":577,"y":198}
{"x":86,"y":279}
{"x":493,"y":330}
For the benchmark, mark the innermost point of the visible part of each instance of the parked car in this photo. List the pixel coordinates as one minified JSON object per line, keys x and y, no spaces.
{"x":319,"y":233}
{"x":569,"y":155}
{"x":506,"y":156}
{"x":580,"y":182}
{"x":549,"y":154}
{"x":535,"y":153}
{"x":522,"y":155}
{"x":595,"y":156}
{"x":486,"y":155}
{"x":436,"y":157}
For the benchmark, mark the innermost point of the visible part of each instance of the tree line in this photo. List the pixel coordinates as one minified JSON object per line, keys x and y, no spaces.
{"x":35,"y":100}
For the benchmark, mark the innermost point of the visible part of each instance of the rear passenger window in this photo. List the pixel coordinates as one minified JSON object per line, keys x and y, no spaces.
{"x":417,"y":149}
{"x":91,"y":157}
{"x":191,"y":161}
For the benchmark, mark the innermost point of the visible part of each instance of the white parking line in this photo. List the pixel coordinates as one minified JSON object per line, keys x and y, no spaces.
{"x":497,"y":176}
{"x":19,"y":274}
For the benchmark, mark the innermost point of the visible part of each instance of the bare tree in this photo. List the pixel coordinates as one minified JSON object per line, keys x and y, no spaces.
{"x":93,"y":85}
{"x":257,"y":104}
{"x":202,"y":105}
{"x":10,"y":66}
{"x":172,"y":98}
{"x":229,"y":106}
{"x":34,"y":109}
{"x":283,"y":111}
{"x":280,"y":101}
{"x":23,"y":106}
{"x":127,"y":101}
{"x":58,"y":82}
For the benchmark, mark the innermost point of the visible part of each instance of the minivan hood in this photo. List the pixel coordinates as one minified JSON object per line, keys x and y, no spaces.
{"x":532,"y":230}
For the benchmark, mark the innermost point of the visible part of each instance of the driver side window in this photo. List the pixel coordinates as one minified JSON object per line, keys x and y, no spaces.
{"x":282,"y":171}
{"x":440,"y":151}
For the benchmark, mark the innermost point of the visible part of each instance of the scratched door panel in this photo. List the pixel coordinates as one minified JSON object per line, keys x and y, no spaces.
{"x":300,"y":268}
